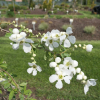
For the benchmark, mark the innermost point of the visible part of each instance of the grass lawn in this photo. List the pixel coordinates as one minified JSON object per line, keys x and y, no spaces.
{"x":85,"y":14}
{"x":17,"y":62}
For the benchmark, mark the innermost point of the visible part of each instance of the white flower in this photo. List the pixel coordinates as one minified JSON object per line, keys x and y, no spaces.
{"x":67,"y":39}
{"x":90,"y":82}
{"x":89,"y":48}
{"x":74,"y":63}
{"x":2,"y":79}
{"x":45,"y":37}
{"x":30,"y":30}
{"x":57,"y":59}
{"x":34,"y":68}
{"x":79,"y":45}
{"x":53,"y":64}
{"x":59,"y":79}
{"x":75,"y":46}
{"x":15,"y":31}
{"x":82,"y":73}
{"x":67,"y":62}
{"x":78,"y":70}
{"x":55,"y":34}
{"x":84,"y":47}
{"x":79,"y":77}
{"x":51,"y":43}
{"x":20,"y":39}
{"x":84,"y":77}
{"x":34,"y":55}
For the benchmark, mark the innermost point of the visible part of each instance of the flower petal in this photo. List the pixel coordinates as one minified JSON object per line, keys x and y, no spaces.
{"x":55,"y":44}
{"x":29,"y":41}
{"x":59,"y":84}
{"x":62,"y":37}
{"x":72,"y":39}
{"x":53,"y":64}
{"x":69,"y":30}
{"x":34,"y":72}
{"x":26,"y":47}
{"x":53,"y":78}
{"x":39,"y":68}
{"x":51,"y":47}
{"x":15,"y":46}
{"x":86,"y":89}
{"x":30,"y":64}
{"x":67,"y":43}
{"x":67,"y":79}
{"x":29,"y":70}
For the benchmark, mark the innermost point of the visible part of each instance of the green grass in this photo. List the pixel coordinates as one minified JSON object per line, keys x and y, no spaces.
{"x":85,"y":14}
{"x":17,"y":62}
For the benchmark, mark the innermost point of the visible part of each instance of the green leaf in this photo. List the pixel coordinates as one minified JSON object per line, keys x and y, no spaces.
{"x":23,"y":84}
{"x":3,"y":65}
{"x":0,"y":92}
{"x":11,"y":95}
{"x":67,"y":55}
{"x":49,"y":53}
{"x":20,"y":30}
{"x":32,"y":99}
{"x":28,"y":92}
{"x":39,"y":45}
{"x":21,"y":97}
{"x":11,"y":30}
{"x":51,"y":59}
{"x":62,"y":55}
{"x":8,"y":34}
{"x":45,"y":57}
{"x":1,"y":60}
{"x":7,"y":85}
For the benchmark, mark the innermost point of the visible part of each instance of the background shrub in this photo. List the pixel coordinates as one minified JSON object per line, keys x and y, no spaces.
{"x":3,"y":25}
{"x":65,"y":26}
{"x":89,"y":29}
{"x":10,"y":14}
{"x":16,"y":7}
{"x":43,"y":26}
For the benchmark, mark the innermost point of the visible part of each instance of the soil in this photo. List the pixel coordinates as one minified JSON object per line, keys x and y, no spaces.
{"x":78,"y":26}
{"x":40,"y":11}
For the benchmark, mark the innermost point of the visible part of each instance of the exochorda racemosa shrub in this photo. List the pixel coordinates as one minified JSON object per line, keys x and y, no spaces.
{"x":65,"y":67}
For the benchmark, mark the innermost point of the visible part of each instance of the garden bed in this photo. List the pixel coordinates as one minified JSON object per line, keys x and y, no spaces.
{"x":78,"y":26}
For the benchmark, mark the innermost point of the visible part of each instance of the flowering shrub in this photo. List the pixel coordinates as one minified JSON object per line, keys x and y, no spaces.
{"x":65,"y":67}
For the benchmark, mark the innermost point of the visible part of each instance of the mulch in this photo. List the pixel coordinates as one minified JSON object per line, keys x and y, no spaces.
{"x":40,"y":11}
{"x":78,"y":26}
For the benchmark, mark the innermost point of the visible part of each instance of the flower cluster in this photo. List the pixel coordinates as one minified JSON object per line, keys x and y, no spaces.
{"x":20,"y":39}
{"x":66,"y":71}
{"x":56,"y":38}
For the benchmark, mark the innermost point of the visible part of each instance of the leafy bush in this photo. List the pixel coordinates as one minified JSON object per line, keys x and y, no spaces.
{"x":40,"y":7}
{"x":10,"y":14}
{"x":3,"y":25}
{"x":46,"y":16}
{"x":89,"y":29}
{"x":45,"y":4}
{"x":55,"y":11}
{"x":49,"y":12}
{"x":65,"y":26}
{"x":57,"y":6}
{"x":23,"y":7}
{"x":43,"y":26}
{"x":16,"y":7}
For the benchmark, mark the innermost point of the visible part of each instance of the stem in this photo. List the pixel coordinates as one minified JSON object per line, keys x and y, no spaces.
{"x":13,"y":80}
{"x":4,"y":30}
